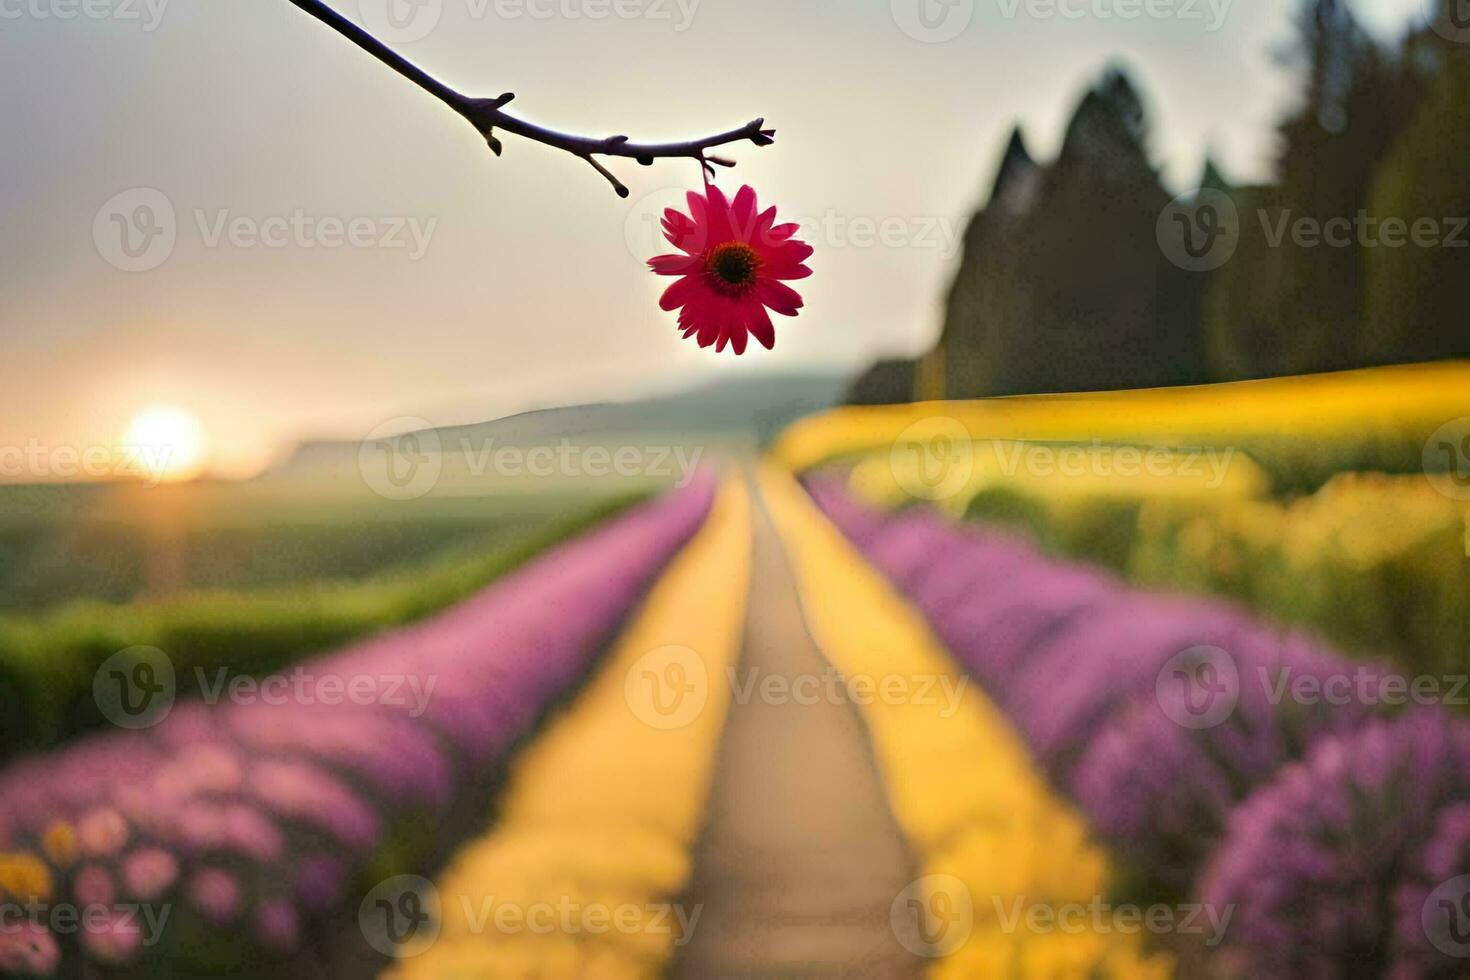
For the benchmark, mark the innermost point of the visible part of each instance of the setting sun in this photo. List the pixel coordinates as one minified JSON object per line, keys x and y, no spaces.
{"x":167,"y":443}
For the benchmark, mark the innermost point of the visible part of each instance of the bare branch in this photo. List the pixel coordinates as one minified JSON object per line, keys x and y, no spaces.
{"x":487,"y":115}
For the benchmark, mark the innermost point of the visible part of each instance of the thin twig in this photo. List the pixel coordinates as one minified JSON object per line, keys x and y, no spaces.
{"x":486,"y":115}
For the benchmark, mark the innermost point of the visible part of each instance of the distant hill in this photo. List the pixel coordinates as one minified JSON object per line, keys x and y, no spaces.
{"x":743,"y":412}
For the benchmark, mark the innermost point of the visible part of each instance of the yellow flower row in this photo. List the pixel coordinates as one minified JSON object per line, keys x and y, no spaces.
{"x":1390,"y":404}
{"x":579,"y":876}
{"x":1002,"y":857}
{"x":949,"y":475}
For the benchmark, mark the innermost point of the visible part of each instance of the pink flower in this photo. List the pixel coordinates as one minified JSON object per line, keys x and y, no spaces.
{"x":149,"y":873}
{"x":112,"y":936}
{"x":103,"y":833}
{"x":26,"y":948}
{"x":732,"y":261}
{"x":94,"y":886}
{"x":216,"y":893}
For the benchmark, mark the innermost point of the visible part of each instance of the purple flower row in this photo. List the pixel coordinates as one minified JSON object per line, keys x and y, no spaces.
{"x":1356,"y":860}
{"x":258,"y":816}
{"x":1159,"y":715}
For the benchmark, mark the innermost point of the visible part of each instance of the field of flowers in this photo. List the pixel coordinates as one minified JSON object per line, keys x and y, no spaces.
{"x":1323,"y":824}
{"x":994,"y":843}
{"x":1186,"y":635}
{"x":581,"y":872}
{"x":1300,"y":431}
{"x":228,"y":837}
{"x":1248,"y":735}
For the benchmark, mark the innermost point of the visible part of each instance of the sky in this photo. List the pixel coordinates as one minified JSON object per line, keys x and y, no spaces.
{"x":180,"y":180}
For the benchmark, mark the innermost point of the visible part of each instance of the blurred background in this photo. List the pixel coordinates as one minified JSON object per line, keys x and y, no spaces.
{"x":987,"y":184}
{"x":1159,"y":301}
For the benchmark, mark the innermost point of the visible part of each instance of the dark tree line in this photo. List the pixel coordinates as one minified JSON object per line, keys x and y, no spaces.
{"x":1066,"y":286}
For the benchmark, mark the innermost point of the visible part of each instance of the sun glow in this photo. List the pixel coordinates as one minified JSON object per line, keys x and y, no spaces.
{"x":166,"y":443}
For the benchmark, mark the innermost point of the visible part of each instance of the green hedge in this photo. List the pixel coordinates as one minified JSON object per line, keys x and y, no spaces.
{"x":1377,"y":564}
{"x":48,"y":661}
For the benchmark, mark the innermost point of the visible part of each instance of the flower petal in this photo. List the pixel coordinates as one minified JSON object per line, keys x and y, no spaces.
{"x":680,"y":293}
{"x":789,"y":272}
{"x":760,"y":325}
{"x":674,"y":265}
{"x":742,"y":214}
{"x":789,"y":252}
{"x":681,"y":231}
{"x":778,"y":296}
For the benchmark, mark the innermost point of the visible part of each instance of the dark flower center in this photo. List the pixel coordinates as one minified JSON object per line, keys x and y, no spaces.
{"x":732,"y":267}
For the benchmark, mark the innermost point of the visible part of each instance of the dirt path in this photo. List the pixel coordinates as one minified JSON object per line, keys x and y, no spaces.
{"x":801,"y":860}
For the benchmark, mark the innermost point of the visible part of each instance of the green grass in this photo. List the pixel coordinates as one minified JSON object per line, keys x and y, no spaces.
{"x":48,"y":659}
{"x":122,"y":543}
